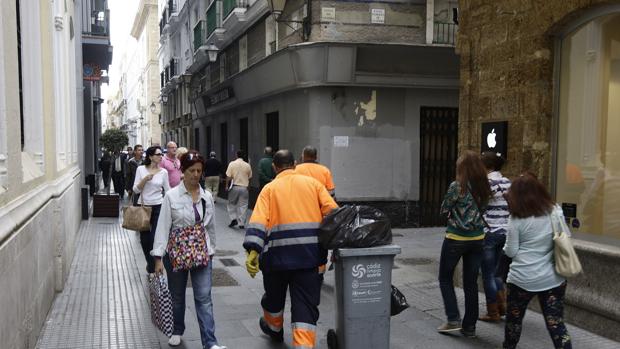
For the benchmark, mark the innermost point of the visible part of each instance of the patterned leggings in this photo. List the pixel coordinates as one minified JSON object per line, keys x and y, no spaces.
{"x":552,"y":305}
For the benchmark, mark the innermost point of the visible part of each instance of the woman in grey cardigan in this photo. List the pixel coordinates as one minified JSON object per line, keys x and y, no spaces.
{"x":529,"y":243}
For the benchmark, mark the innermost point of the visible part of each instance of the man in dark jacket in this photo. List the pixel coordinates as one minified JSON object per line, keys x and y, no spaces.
{"x":265,"y":171}
{"x":130,"y":170}
{"x":213,"y":172}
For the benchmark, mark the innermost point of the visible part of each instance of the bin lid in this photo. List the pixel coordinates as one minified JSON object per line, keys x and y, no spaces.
{"x":369,"y":251}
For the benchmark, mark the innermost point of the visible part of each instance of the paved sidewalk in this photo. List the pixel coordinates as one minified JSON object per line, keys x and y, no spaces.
{"x":104,"y":304}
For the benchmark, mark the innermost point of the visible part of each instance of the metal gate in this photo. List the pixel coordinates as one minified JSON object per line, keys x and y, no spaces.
{"x":438,"y":153}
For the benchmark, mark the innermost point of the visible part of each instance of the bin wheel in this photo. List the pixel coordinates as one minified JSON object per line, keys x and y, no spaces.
{"x":332,"y":340}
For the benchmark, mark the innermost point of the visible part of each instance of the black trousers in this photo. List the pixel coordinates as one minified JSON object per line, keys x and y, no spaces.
{"x":304,"y":286}
{"x":119,"y":183}
{"x":147,"y":238}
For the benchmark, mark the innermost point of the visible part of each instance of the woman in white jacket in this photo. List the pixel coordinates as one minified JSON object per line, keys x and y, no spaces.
{"x":185,"y":205}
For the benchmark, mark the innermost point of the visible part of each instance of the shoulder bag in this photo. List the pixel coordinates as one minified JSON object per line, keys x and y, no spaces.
{"x":137,"y":217}
{"x":187,"y":246}
{"x":566,"y":261}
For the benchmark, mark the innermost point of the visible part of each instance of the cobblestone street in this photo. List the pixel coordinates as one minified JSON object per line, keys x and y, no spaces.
{"x":105,"y":302}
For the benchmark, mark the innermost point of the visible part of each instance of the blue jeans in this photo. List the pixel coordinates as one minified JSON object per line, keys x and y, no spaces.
{"x":493,"y":244}
{"x":201,"y":284}
{"x":451,"y":253}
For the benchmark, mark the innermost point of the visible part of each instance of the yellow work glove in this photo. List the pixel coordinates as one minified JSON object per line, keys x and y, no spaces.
{"x":251,"y":263}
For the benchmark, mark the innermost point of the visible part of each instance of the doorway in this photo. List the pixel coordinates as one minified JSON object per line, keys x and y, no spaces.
{"x":273,"y":130}
{"x":438,"y":154}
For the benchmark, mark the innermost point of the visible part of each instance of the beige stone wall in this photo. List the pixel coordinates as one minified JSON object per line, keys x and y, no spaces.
{"x":404,"y":23}
{"x":40,"y":207}
{"x":506,"y":51}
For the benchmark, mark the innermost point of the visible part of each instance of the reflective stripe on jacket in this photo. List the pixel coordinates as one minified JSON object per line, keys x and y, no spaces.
{"x":285,"y":221}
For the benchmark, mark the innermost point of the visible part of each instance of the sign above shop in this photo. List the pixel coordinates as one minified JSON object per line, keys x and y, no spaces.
{"x":495,"y":137}
{"x":219,"y":97}
{"x":92,"y":72}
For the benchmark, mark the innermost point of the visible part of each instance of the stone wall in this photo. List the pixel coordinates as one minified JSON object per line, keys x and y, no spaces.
{"x":35,"y":260}
{"x":506,"y":50}
{"x":507,"y":61}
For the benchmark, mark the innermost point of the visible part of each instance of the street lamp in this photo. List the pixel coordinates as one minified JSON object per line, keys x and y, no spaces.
{"x":164,"y":98}
{"x":153,"y":107}
{"x":276,"y":6}
{"x":212,"y":51}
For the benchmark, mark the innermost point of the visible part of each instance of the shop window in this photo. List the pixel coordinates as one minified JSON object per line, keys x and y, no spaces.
{"x":588,"y":154}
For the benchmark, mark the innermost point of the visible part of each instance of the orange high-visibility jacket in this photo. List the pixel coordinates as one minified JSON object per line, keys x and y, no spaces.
{"x":319,"y":172}
{"x":285,"y":221}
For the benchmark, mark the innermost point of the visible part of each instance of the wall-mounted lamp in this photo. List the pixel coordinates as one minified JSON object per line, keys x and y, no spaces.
{"x":277,"y":6}
{"x":212,"y":52}
{"x":153,"y":107}
{"x":164,"y":98}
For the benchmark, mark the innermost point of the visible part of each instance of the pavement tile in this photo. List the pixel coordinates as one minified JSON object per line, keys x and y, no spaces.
{"x":105,"y":301}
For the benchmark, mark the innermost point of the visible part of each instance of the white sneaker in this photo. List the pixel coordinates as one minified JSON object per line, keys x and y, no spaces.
{"x":175,"y":340}
{"x":217,"y":347}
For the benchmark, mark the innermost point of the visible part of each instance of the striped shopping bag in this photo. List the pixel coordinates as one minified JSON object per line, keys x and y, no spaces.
{"x":161,"y":303}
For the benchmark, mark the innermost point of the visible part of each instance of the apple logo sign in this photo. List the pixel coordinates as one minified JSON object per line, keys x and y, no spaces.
{"x":491,"y":141}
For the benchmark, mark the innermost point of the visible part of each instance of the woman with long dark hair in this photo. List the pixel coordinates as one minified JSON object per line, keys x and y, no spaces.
{"x":529,"y":242}
{"x":151,"y":183}
{"x":464,"y":204}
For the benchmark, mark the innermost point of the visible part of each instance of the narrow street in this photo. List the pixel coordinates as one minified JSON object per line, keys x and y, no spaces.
{"x":105,"y":301}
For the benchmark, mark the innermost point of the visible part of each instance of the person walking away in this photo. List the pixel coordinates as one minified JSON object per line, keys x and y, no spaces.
{"x":310,"y":167}
{"x":464,"y":204}
{"x":213,"y":173}
{"x":265,"y":170}
{"x":130,"y":171}
{"x":105,"y":165}
{"x":238,"y":176}
{"x":529,"y":242}
{"x":183,"y":206}
{"x":282,"y":242}
{"x":496,"y":217}
{"x":118,"y":173}
{"x":172,"y":165}
{"x":151,"y":183}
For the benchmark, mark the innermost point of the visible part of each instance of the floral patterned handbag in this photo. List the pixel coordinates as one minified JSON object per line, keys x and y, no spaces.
{"x":188,"y":246}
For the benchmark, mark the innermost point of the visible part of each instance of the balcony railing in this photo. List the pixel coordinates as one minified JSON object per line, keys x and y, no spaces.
{"x":96,"y":22}
{"x":199,"y":34}
{"x":229,"y":5}
{"x":445,"y":33}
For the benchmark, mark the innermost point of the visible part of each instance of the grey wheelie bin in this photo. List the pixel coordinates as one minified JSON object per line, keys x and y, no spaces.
{"x":363,"y":294}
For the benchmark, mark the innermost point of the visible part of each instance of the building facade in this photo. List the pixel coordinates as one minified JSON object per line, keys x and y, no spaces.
{"x":40,"y":154}
{"x":135,"y":105}
{"x":96,"y":58}
{"x":550,"y":72}
{"x":372,"y":85}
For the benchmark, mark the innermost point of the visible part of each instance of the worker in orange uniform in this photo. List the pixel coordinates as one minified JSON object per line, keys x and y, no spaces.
{"x":283,"y":236}
{"x":310,"y":167}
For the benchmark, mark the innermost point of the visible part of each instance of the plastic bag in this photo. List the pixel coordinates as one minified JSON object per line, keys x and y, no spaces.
{"x":398,"y":302}
{"x":355,"y":226}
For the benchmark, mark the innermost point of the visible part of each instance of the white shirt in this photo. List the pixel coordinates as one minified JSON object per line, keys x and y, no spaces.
{"x":177,"y":211}
{"x":154,"y":190}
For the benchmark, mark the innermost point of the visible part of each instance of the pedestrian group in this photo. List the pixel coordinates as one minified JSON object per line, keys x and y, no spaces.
{"x":503,"y":228}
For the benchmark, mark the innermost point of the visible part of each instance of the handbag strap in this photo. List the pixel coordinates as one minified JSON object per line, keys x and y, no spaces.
{"x":204,"y":211}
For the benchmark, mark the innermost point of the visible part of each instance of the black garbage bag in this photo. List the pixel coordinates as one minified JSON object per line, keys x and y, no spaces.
{"x":399,"y":302}
{"x":355,"y":226}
